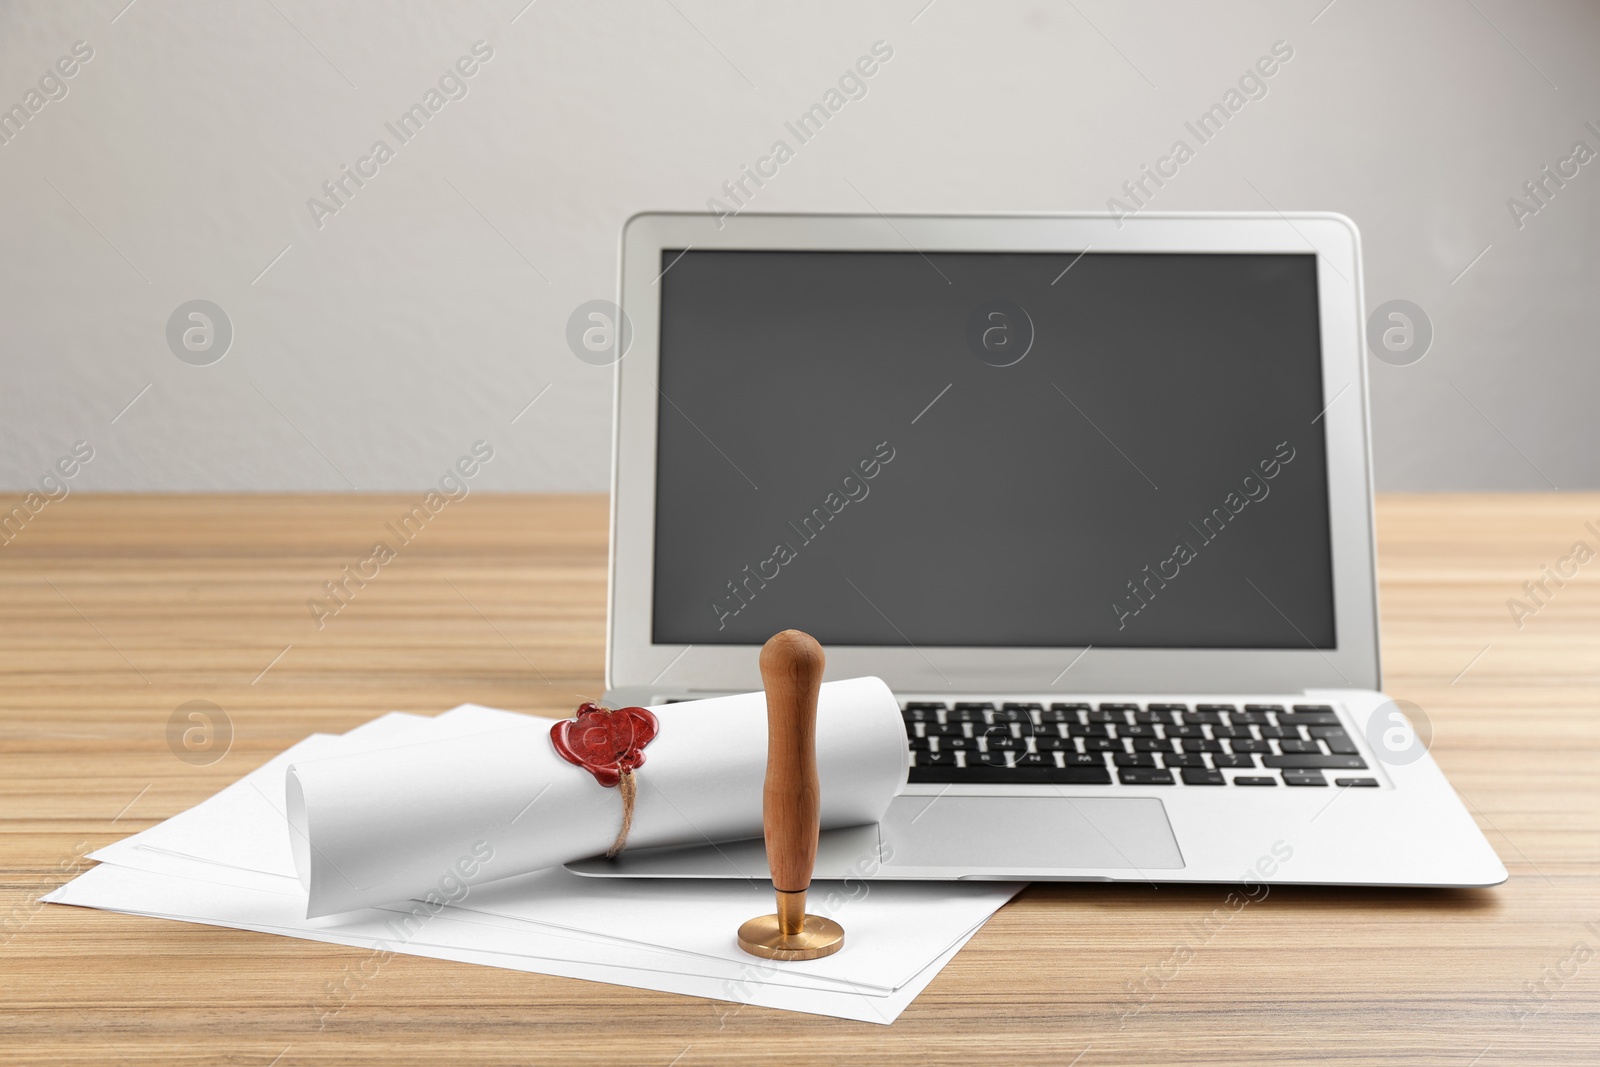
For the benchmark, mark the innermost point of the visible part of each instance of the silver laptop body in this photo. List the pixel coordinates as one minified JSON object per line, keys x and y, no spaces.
{"x":1092,"y":495}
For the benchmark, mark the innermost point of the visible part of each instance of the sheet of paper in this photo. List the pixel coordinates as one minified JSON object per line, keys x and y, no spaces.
{"x":398,"y":823}
{"x":112,"y":887}
{"x":891,"y":937}
{"x":117,"y":889}
{"x":892,"y":928}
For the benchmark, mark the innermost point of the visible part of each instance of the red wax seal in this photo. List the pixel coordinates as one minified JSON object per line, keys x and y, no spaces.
{"x":606,"y":742}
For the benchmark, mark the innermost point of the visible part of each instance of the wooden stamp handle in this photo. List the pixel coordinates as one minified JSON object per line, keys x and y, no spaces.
{"x":791,"y":671}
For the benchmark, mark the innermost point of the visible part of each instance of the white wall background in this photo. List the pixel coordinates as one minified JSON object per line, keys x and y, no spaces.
{"x":431,"y":309}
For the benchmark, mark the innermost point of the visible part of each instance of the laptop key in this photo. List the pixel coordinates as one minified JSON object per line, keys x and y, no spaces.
{"x":1051,"y":743}
{"x":1312,"y":707}
{"x":958,"y":744}
{"x":1186,"y":730}
{"x":1198,"y":717}
{"x":1242,"y":760}
{"x":1084,"y":759}
{"x":1134,"y":759}
{"x":1202,"y":777}
{"x":1215,"y":707}
{"x":918,"y":744}
{"x":1055,"y":715}
{"x":925,"y":705}
{"x":1239,"y":744}
{"x":1308,"y":762}
{"x":1069,"y":707}
{"x":1144,"y":776}
{"x":1102,"y":744}
{"x":946,"y":729}
{"x":1316,"y":718}
{"x":1232,"y":732}
{"x":1169,"y":707}
{"x":1303,"y":778}
{"x":1274,"y":732}
{"x":1035,"y":759}
{"x":1184,"y":759}
{"x":1078,"y":729}
{"x":967,"y":715}
{"x":1136,"y":729}
{"x":1291,"y":746}
{"x":1358,"y":783}
{"x":1151,"y":744}
{"x":1338,"y":741}
{"x":1255,"y":779}
{"x":1195,"y":744}
{"x":1263,"y":707}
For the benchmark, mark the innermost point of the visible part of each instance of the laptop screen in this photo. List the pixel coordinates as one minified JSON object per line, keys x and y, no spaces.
{"x":992,"y":449}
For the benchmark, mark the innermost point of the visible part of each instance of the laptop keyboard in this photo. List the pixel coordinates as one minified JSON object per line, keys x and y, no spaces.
{"x":1151,"y":744}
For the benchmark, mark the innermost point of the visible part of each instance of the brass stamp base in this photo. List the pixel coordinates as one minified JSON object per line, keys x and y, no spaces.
{"x":816,"y":938}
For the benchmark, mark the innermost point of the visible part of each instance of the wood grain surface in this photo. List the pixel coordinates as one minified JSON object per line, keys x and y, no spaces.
{"x":119,"y":609}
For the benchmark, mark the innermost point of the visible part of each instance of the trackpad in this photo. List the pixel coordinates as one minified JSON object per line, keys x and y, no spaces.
{"x":1030,"y":833}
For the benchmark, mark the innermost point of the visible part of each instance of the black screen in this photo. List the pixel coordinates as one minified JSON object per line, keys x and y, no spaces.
{"x":991,"y":449}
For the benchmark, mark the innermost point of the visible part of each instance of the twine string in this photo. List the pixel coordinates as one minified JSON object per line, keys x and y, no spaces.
{"x":630,"y":790}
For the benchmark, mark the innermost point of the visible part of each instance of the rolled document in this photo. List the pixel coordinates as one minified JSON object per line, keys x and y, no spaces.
{"x":427,"y":821}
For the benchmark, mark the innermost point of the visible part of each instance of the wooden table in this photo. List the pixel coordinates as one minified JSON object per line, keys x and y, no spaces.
{"x":118,"y":609}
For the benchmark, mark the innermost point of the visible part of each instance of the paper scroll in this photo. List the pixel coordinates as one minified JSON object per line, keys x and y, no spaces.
{"x":429,"y":819}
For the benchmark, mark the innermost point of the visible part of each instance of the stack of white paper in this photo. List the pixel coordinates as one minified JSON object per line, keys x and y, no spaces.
{"x":229,"y":862}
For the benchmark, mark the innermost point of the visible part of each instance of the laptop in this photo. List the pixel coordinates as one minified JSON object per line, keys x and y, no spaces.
{"x":1090,"y":493}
